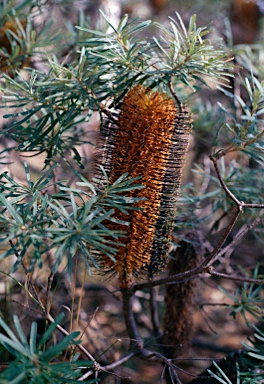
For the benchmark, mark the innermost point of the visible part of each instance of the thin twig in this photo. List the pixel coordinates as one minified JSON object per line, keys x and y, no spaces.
{"x":115,"y":364}
{"x":159,"y":358}
{"x":205,"y":267}
{"x":154,"y":312}
{"x":108,"y":367}
{"x":240,"y":234}
{"x":173,"y":370}
{"x":242,"y":279}
{"x":183,"y":370}
{"x":163,"y":373}
{"x":136,"y":342}
{"x":178,"y":278}
{"x":214,"y":255}
{"x":175,"y":96}
{"x":171,"y":376}
{"x":227,"y":190}
{"x":66,"y":333}
{"x":49,"y":284}
{"x":26,"y":306}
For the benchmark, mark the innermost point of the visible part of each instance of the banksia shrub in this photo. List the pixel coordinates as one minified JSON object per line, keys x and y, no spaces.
{"x":149,"y":139}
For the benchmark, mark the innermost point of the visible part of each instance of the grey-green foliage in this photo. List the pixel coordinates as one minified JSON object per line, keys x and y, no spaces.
{"x":245,"y":183}
{"x":245,"y":123}
{"x":235,"y":129}
{"x":34,"y":222}
{"x":255,"y":358}
{"x":16,"y":19}
{"x":51,"y":110}
{"x":247,"y":300}
{"x":252,"y":369}
{"x":37,"y":362}
{"x":234,"y":176}
{"x":51,"y":105}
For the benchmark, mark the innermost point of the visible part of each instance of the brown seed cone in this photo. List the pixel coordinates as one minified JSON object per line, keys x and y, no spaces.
{"x":150,"y":140}
{"x":158,"y":5}
{"x":245,"y":21}
{"x":180,"y":297}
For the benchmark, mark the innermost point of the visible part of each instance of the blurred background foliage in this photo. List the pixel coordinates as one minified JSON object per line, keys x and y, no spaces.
{"x":57,"y":84}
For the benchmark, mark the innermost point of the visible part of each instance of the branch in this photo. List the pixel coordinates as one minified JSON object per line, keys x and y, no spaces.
{"x":66,"y":333}
{"x":115,"y":364}
{"x":242,"y":279}
{"x":154,"y":312}
{"x":157,"y":357}
{"x":239,"y":203}
{"x":178,"y":278}
{"x":206,"y":266}
{"x":175,"y":96}
{"x":238,"y":237}
{"x":136,"y":342}
{"x":106,"y":368}
{"x":214,"y":255}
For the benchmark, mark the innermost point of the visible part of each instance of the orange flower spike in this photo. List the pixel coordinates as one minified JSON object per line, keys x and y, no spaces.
{"x":143,"y":144}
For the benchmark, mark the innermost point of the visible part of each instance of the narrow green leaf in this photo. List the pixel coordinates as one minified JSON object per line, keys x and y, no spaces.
{"x":10,"y":209}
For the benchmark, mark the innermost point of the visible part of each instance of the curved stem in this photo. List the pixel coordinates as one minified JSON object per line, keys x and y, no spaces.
{"x":136,"y":342}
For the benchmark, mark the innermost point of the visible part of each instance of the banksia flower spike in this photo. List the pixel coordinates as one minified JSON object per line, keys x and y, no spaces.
{"x":149,"y":139}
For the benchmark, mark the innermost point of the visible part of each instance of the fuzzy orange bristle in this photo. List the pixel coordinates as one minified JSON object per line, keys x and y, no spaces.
{"x":142,"y":143}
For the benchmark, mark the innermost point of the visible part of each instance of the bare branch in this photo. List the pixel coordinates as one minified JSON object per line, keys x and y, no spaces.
{"x":154,"y":312}
{"x":49,"y":284}
{"x":106,"y":368}
{"x":175,"y":96}
{"x":213,"y":256}
{"x":66,"y":333}
{"x":228,"y":192}
{"x":115,"y":364}
{"x":136,"y":342}
{"x":238,"y":237}
{"x":205,"y":267}
{"x":178,"y":278}
{"x":242,"y":279}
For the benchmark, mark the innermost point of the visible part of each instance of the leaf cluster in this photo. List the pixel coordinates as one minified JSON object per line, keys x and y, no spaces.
{"x":35,"y":360}
{"x":50,"y":106}
{"x":245,"y":123}
{"x":252,"y":372}
{"x":255,"y":358}
{"x":21,"y":40}
{"x":71,"y":221}
{"x":247,"y":300}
